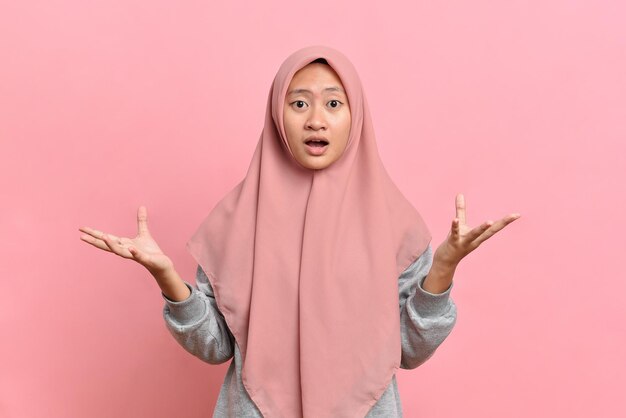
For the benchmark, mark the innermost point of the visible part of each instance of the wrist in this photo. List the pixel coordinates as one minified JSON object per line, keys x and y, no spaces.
{"x":439,"y":277}
{"x":444,"y":260}
{"x":172,"y":286}
{"x":168,"y":275}
{"x":444,"y":265}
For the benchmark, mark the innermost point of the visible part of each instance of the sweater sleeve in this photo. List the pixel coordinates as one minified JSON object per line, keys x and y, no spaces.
{"x":426,"y":319}
{"x":197,"y":324}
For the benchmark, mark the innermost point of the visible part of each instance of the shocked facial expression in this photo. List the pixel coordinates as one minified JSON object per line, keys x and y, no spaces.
{"x":316,"y":116}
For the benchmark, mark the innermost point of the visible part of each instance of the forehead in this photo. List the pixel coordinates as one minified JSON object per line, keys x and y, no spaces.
{"x":315,"y":74}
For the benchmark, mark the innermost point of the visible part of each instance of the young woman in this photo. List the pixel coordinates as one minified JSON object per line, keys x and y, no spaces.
{"x":315,"y":274}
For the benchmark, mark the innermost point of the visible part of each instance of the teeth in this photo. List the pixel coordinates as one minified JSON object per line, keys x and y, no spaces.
{"x":317,"y":144}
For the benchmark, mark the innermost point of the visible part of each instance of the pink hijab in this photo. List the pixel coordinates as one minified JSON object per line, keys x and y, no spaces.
{"x":305,"y":264}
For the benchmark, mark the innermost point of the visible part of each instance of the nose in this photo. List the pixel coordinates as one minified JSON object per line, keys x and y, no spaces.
{"x":317,"y":119}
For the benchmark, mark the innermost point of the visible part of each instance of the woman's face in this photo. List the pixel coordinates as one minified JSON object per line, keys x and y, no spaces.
{"x":316,"y":107}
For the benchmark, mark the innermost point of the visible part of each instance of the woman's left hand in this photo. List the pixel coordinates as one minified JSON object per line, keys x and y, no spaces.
{"x":462,"y":239}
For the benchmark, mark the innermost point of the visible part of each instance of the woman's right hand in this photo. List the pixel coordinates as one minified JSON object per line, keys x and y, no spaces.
{"x":143,"y":248}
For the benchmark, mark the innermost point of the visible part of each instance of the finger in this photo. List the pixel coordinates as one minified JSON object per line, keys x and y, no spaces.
{"x":98,"y":243}
{"x":454,"y":228}
{"x":96,"y":233}
{"x":476,"y":232}
{"x":94,"y":237}
{"x":116,"y":245}
{"x":93,"y":232}
{"x":460,"y":208}
{"x":501,"y":223}
{"x":142,"y":221}
{"x":497,"y":226}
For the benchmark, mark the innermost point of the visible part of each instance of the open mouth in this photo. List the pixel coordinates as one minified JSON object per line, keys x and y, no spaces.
{"x":316,"y":146}
{"x":316,"y":143}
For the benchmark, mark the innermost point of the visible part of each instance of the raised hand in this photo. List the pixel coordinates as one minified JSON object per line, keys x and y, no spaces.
{"x":143,"y":248}
{"x":462,"y":239}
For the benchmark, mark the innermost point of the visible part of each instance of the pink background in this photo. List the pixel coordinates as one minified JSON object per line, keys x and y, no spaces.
{"x":108,"y":105}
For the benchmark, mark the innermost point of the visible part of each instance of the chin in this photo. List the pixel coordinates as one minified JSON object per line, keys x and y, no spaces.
{"x":316,"y":164}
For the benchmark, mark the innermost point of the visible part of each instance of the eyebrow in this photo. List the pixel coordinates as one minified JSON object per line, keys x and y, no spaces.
{"x":333,"y":88}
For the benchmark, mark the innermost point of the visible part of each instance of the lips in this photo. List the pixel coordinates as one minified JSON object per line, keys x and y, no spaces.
{"x":316,"y":145}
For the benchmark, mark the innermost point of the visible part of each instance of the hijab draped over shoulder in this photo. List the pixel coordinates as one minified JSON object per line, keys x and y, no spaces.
{"x":305,"y":264}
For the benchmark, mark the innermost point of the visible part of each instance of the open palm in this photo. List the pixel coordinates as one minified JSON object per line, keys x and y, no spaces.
{"x":463,"y":239}
{"x":143,"y":248}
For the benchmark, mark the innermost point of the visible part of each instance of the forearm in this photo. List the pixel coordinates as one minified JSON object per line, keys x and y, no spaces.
{"x":439,"y":277}
{"x":426,"y":317}
{"x":172,"y":286}
{"x":195,"y":322}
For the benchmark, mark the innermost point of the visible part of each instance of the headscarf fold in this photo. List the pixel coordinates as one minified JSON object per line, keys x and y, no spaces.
{"x":305,"y":263}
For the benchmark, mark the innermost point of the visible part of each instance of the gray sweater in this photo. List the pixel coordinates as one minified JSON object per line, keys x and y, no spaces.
{"x":426,"y":319}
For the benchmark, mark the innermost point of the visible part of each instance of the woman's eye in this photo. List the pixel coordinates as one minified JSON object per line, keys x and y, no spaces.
{"x":337,"y":102}
{"x":298,"y":103}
